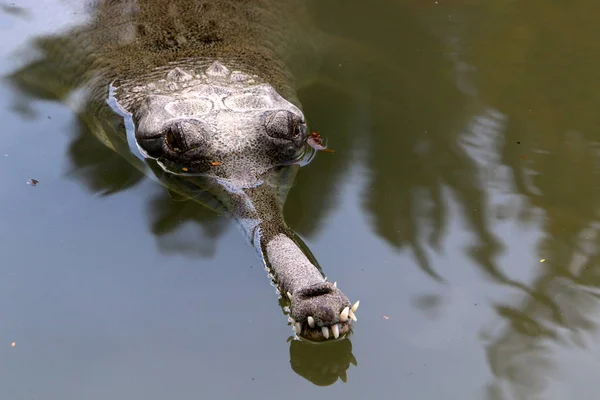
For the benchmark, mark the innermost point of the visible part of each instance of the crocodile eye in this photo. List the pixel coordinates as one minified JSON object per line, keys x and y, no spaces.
{"x":174,"y":140}
{"x":278,"y":125}
{"x":284,"y":125}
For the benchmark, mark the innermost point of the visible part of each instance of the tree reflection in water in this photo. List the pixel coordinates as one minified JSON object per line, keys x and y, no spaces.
{"x":537,"y":75}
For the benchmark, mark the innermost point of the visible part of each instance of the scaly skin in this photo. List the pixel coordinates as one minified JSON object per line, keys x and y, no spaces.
{"x":238,"y":135}
{"x":209,"y":87}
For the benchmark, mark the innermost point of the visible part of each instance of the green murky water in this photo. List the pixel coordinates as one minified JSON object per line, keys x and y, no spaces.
{"x":461,"y":207}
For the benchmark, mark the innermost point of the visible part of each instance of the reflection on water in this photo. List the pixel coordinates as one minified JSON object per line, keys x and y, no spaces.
{"x":538,"y":76}
{"x":14,"y":10}
{"x":170,"y":219}
{"x":488,"y":105}
{"x":322,"y":365}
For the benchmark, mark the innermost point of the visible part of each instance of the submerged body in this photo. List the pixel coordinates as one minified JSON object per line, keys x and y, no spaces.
{"x":208,"y":87}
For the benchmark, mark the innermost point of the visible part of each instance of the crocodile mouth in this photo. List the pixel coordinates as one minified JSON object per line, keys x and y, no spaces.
{"x":324,"y":333}
{"x":319,"y":328}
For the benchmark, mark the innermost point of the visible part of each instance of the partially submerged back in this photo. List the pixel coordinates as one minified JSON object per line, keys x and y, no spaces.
{"x":129,"y":39}
{"x":209,"y":83}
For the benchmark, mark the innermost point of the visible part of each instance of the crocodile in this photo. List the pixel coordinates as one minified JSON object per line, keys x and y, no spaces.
{"x":205,"y":99}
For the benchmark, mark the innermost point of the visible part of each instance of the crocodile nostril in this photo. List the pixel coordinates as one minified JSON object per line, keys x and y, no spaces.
{"x":319,"y":289}
{"x":280,"y":124}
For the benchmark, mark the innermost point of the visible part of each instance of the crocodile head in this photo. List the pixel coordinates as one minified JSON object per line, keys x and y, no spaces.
{"x":226,"y":127}
{"x":219,"y":123}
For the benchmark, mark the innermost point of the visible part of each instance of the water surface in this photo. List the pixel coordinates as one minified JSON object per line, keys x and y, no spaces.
{"x":460,"y":207}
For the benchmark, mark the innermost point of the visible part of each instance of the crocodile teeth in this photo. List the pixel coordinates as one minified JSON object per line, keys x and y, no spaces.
{"x":298,"y":326}
{"x":335,"y":284}
{"x":325,"y":331}
{"x":335,"y":329}
{"x":289,"y":295}
{"x":344,"y":314}
{"x":355,"y":306}
{"x":311,"y":322}
{"x":351,"y":314}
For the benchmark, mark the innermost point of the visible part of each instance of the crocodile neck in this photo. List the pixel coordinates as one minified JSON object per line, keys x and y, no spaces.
{"x":289,"y":261}
{"x":258,"y":210}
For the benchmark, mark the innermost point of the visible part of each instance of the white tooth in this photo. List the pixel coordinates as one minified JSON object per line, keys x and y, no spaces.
{"x":351,"y":314}
{"x":325,"y":331}
{"x":355,"y":306}
{"x":311,"y":322}
{"x":335,"y":329}
{"x":344,"y":314}
{"x":289,"y":295}
{"x":335,"y":284}
{"x":298,"y":327}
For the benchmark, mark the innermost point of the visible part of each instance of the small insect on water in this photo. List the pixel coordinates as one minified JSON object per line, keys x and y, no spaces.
{"x":315,"y":141}
{"x":33,"y":182}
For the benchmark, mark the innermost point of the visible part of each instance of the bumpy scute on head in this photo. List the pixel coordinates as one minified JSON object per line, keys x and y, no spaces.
{"x":193,"y":119}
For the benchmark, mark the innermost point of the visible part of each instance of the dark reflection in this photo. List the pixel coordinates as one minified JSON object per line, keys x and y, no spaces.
{"x":429,"y":304}
{"x":169,"y":212}
{"x":381,"y":99}
{"x":98,"y":167}
{"x":322,"y":364}
{"x":322,"y":178}
{"x":13,"y":9}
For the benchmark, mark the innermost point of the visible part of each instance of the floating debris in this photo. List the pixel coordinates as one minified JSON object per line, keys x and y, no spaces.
{"x":33,"y":182}
{"x":184,"y":169}
{"x":215,"y":163}
{"x":386,"y":317}
{"x":13,"y":344}
{"x":542,"y":260}
{"x":315,"y":141}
